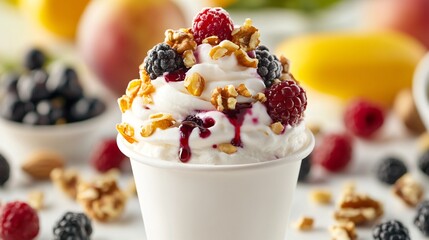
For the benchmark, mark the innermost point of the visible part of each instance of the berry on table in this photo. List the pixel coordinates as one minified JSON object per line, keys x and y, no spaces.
{"x":107,"y":156}
{"x":421,"y":221}
{"x":34,"y":59}
{"x":390,"y":170}
{"x":212,"y":22}
{"x":390,"y":230}
{"x":334,"y":152}
{"x":286,"y":102}
{"x":4,"y":170}
{"x":162,"y":59}
{"x":363,"y":118}
{"x":424,"y":163}
{"x":269,"y":66}
{"x":18,"y":221}
{"x":73,"y":226}
{"x":305,"y":169}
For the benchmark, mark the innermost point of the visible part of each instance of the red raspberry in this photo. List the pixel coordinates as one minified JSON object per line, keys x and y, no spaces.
{"x":18,"y":221}
{"x":286,"y":102}
{"x":107,"y":156}
{"x":212,"y":22}
{"x":333,"y":152}
{"x":363,"y":118}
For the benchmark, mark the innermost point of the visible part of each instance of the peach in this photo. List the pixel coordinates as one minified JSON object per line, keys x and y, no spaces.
{"x":115,"y":35}
{"x":409,"y":16}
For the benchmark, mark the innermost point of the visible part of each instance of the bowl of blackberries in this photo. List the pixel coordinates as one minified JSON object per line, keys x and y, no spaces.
{"x":43,"y":106}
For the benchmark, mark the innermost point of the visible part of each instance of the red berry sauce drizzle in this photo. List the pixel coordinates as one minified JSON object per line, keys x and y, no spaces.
{"x":185,"y":130}
{"x":236,"y":118}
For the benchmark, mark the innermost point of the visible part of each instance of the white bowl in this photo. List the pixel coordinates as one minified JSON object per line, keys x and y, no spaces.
{"x":73,"y":141}
{"x":421,"y":90}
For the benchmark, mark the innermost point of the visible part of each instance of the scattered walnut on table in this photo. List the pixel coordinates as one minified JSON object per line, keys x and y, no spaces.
{"x":343,"y":231}
{"x":408,"y":190}
{"x":66,"y":181}
{"x":305,"y":224}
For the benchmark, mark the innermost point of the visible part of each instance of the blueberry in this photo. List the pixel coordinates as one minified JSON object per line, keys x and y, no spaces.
{"x":32,"y":86}
{"x":9,"y":82}
{"x":34,"y":59}
{"x":53,"y":109}
{"x":4,"y":170}
{"x":85,"y":108}
{"x":34,"y":118}
{"x":64,"y":82}
{"x":12,"y":108}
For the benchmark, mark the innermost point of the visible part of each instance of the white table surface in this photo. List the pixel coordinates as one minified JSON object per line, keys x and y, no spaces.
{"x":327,"y":112}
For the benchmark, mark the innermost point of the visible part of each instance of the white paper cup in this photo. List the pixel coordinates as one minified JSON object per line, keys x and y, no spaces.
{"x":215,"y":202}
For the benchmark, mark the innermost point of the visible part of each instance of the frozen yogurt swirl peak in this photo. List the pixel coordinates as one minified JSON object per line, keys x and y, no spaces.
{"x":211,"y":94}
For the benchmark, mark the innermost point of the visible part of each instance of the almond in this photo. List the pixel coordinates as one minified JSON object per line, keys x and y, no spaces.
{"x":39,"y":164}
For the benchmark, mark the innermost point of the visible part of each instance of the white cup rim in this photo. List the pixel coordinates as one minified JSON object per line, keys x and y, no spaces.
{"x":420,"y":89}
{"x":134,"y":156}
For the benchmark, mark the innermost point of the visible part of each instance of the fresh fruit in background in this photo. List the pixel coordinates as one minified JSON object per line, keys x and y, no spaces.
{"x":389,"y":230}
{"x":37,"y":97}
{"x":13,"y":2}
{"x":390,"y":170}
{"x":423,"y":162}
{"x":371,"y":65}
{"x":58,"y":17}
{"x":421,"y":220}
{"x":4,"y":170}
{"x":305,"y":169}
{"x":220,"y":3}
{"x":363,"y":118}
{"x":18,"y":221}
{"x":333,"y":152}
{"x":73,"y":226}
{"x":305,"y":6}
{"x":405,"y":108}
{"x":408,"y":16}
{"x":114,"y":36}
{"x":107,"y":156}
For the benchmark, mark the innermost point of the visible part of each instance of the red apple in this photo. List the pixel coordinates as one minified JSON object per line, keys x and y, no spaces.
{"x":115,"y":35}
{"x":409,"y":16}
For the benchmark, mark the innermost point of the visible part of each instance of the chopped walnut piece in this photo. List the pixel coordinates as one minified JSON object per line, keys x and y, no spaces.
{"x":102,"y":199}
{"x":180,"y":40}
{"x":224,"y":98}
{"x":408,"y":190}
{"x":305,"y":224}
{"x":227,"y":148}
{"x":189,"y":59}
{"x":36,"y":199}
{"x":66,"y":181}
{"x":230,"y":46}
{"x":243,"y":91}
{"x":127,"y":131}
{"x":124,"y":103}
{"x":212,"y":40}
{"x":260,"y":97}
{"x":217,"y":52}
{"x":285,"y":64}
{"x":358,"y":208}
{"x":321,"y":196}
{"x":277,"y":128}
{"x":247,"y":36}
{"x":195,"y":84}
{"x":158,"y":120}
{"x":244,"y":59}
{"x":133,"y":87}
{"x":343,"y":231}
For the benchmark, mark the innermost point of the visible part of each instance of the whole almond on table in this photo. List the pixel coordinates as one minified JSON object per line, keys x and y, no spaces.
{"x":39,"y":164}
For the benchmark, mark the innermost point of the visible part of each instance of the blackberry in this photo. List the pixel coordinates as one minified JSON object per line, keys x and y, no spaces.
{"x":73,"y":226}
{"x":4,"y":170}
{"x":424,"y":163}
{"x":161,"y":59}
{"x":391,"y":230}
{"x":390,"y":170}
{"x":194,"y":119}
{"x":422,"y":218}
{"x":305,"y":169}
{"x":269,"y":66}
{"x":34,"y":59}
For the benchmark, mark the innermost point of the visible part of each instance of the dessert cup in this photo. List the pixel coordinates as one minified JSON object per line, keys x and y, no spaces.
{"x":212,"y":202}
